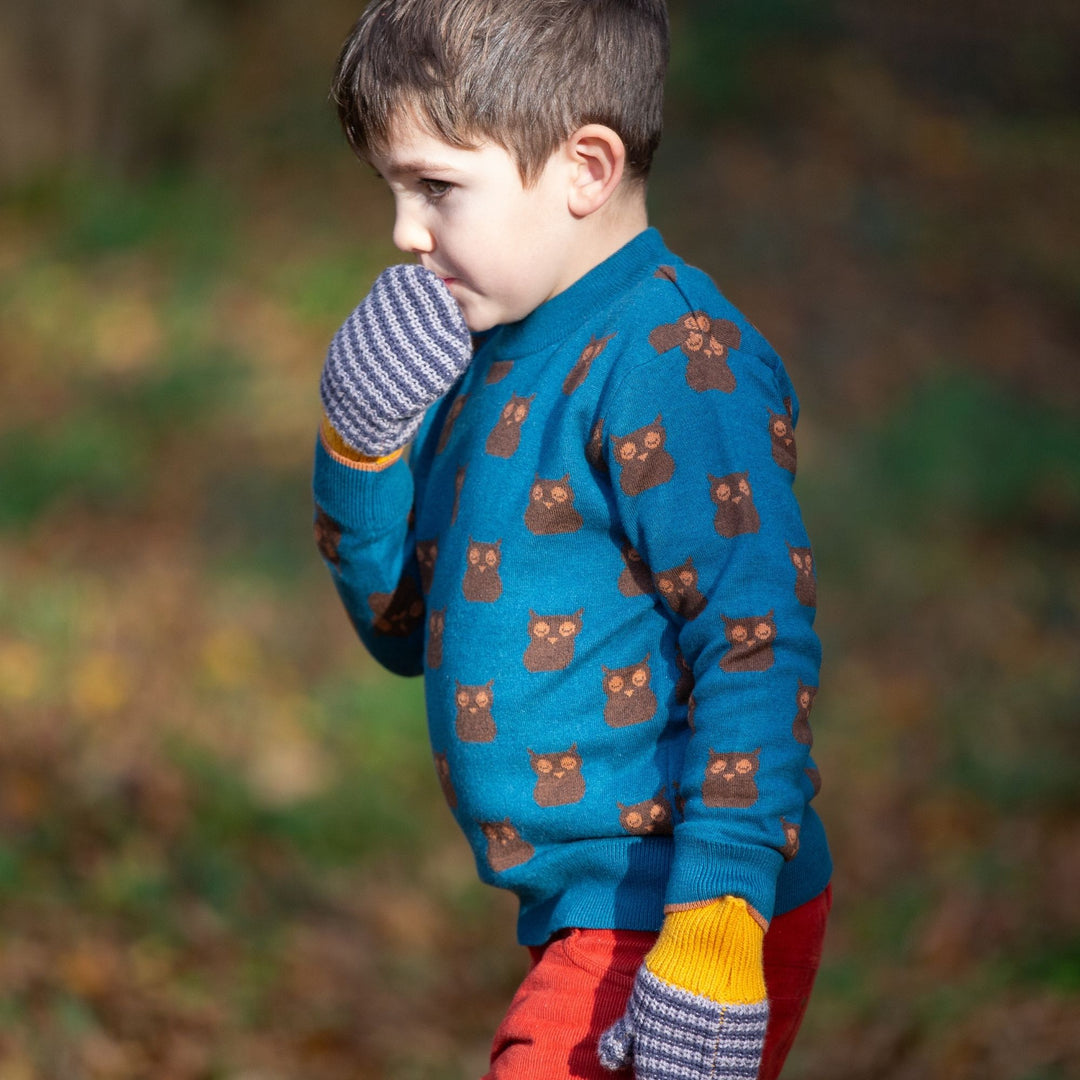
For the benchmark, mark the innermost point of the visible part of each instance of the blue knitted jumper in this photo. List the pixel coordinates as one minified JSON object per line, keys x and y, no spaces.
{"x":594,"y":556}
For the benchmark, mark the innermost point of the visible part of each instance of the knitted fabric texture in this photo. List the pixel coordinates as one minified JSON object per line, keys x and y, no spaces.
{"x":399,"y":351}
{"x":671,"y":1034}
{"x":618,"y":664}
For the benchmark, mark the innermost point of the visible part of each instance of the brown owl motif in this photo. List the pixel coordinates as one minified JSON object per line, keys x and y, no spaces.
{"x":735,"y":510}
{"x":459,"y":483}
{"x":644,"y":461}
{"x":630,"y":699}
{"x":474,"y":722}
{"x":751,"y":643}
{"x":666,"y":273}
{"x":691,"y":709}
{"x":782,"y":431}
{"x":802,"y":558}
{"x":442,"y":768}
{"x":481,"y":582}
{"x":505,"y":846}
{"x":804,"y":702}
{"x":678,"y":586}
{"x":327,"y":536}
{"x":636,"y":579}
{"x":580,"y":371}
{"x":558,"y":778}
{"x":791,"y":840}
{"x":448,"y":424}
{"x":551,"y":508}
{"x":498,"y":371}
{"x":684,"y":687}
{"x":651,"y":817}
{"x":813,"y":774}
{"x":436,"y":626}
{"x":729,"y":779}
{"x":551,"y":641}
{"x":399,"y":613}
{"x":427,"y":551}
{"x":705,"y":342}
{"x":505,"y":436}
{"x":594,"y":449}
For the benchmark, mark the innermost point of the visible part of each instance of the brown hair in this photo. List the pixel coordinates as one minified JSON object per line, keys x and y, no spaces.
{"x":524,"y":74}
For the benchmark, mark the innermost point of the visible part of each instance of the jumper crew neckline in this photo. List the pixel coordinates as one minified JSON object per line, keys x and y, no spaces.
{"x":550,"y":323}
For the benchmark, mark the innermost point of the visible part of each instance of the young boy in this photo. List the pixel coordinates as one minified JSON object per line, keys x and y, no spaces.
{"x":592,"y":553}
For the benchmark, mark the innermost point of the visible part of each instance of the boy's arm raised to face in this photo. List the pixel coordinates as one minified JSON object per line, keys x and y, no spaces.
{"x":398,"y":352}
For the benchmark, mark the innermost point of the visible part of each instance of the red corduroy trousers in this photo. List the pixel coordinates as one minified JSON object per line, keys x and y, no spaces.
{"x":580,"y":981}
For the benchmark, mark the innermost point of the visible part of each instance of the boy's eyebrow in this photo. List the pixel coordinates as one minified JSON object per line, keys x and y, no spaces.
{"x":415,"y":167}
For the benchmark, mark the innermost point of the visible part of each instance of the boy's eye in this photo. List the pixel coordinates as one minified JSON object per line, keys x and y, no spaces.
{"x":435,"y":189}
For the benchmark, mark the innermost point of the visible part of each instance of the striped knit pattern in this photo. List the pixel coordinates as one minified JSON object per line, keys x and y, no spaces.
{"x":400,"y":350}
{"x":671,"y":1034}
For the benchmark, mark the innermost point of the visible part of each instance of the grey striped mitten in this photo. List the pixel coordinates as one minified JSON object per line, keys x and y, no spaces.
{"x":671,"y":1034}
{"x":400,"y":350}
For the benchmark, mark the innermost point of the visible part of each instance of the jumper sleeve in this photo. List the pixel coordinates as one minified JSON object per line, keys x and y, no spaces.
{"x":702,"y":464}
{"x":364,"y":534}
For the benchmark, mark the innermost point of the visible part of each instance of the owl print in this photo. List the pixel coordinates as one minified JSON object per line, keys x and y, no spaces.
{"x":802,"y":558}
{"x":729,"y":780}
{"x":551,"y":641}
{"x":666,"y":273}
{"x":436,"y":626}
{"x":327,"y":536}
{"x":691,"y":710}
{"x":651,"y":817}
{"x":450,"y":421}
{"x":505,"y":436}
{"x":498,"y":371}
{"x":705,"y":342}
{"x":580,"y":371}
{"x":751,"y":643}
{"x":551,"y":508}
{"x":643,"y":460}
{"x":636,"y":579}
{"x":813,"y":774}
{"x":804,"y":702}
{"x":399,"y":613}
{"x":594,"y":449}
{"x":791,"y":840}
{"x":505,"y":846}
{"x":559,"y":781}
{"x":735,"y":510}
{"x":427,"y":551}
{"x":678,"y":586}
{"x":481,"y":582}
{"x":442,"y":769}
{"x":474,"y":722}
{"x":630,"y":699}
{"x":459,"y":483}
{"x":782,"y":432}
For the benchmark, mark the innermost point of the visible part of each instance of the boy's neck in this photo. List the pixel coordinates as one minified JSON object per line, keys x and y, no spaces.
{"x":610,"y":228}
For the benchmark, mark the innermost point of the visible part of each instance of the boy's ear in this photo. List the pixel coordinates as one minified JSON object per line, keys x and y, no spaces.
{"x":597,"y":158}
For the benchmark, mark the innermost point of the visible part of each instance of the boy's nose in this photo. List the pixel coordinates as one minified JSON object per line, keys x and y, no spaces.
{"x":410,"y":235}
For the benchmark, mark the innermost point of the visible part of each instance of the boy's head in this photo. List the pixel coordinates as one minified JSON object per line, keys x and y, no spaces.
{"x":523,"y":74}
{"x":515,"y":136}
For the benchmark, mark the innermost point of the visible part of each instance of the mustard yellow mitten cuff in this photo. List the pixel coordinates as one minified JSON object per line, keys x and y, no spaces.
{"x":342,"y":452}
{"x":714,"y":950}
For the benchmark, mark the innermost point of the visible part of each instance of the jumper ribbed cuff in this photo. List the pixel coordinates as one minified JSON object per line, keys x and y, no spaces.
{"x":368,"y":502}
{"x":703,"y":870}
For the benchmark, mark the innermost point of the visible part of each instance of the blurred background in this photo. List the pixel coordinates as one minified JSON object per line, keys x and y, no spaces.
{"x":206,"y":870}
